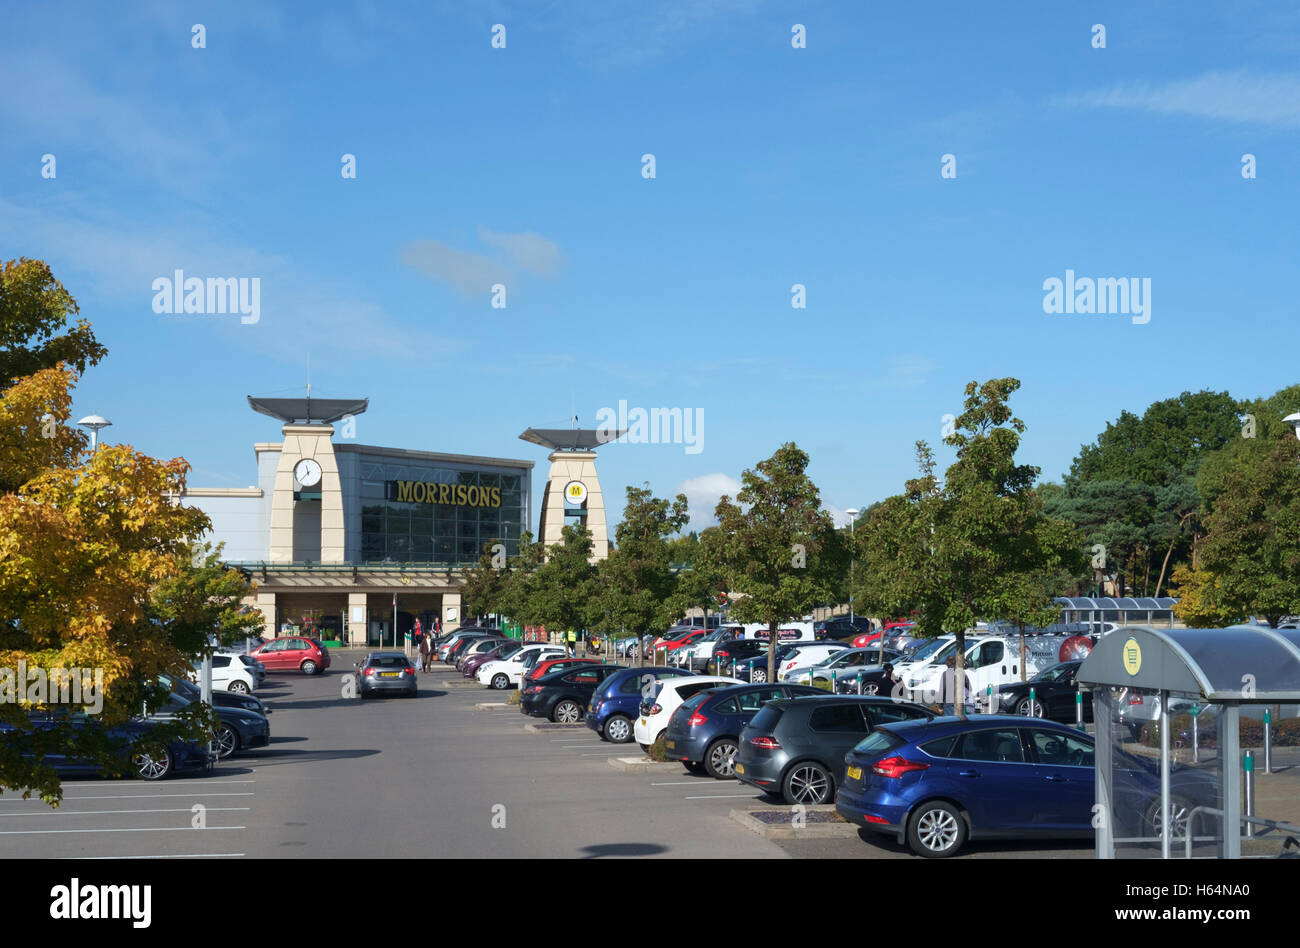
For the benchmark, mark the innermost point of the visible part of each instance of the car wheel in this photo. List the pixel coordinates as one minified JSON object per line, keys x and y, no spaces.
{"x":309,"y":667}
{"x":936,"y":830}
{"x":1152,"y":822}
{"x":720,"y":759}
{"x":758,"y":676}
{"x":645,"y":748}
{"x":871,"y":688}
{"x":808,"y":783}
{"x":1030,"y":709}
{"x":237,"y":687}
{"x":152,"y":761}
{"x":617,"y":729}
{"x":695,"y":766}
{"x":500,"y":681}
{"x":566,"y":712}
{"x":227,"y":741}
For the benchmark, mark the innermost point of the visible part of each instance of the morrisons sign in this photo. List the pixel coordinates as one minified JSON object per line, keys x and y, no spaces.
{"x":458,"y":495}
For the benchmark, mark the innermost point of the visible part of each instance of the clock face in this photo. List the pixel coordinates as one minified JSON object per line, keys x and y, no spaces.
{"x":307,"y":472}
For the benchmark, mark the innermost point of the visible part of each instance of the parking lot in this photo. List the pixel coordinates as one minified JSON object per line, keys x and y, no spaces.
{"x":432,"y":776}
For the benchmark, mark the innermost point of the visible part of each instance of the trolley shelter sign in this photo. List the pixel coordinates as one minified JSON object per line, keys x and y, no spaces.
{"x":427,"y":492}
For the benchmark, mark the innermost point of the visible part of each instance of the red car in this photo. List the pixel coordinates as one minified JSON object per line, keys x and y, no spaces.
{"x":889,"y":630}
{"x":556,"y":664}
{"x":680,"y":639}
{"x":293,"y":653}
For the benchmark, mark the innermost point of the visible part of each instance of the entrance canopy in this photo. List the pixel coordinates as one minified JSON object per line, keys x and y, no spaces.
{"x":1255,"y":665}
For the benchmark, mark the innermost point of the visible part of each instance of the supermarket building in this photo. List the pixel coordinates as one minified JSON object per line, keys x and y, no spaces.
{"x":350,"y":540}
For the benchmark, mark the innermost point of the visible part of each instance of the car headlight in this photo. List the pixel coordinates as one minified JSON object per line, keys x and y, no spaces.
{"x":1007,"y":698}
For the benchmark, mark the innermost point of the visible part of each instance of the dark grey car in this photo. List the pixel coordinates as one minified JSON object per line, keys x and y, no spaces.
{"x":794,"y":748}
{"x":386,"y":673}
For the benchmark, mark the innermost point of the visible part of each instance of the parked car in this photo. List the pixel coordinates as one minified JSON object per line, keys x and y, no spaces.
{"x":382,"y":673}
{"x":807,"y":654}
{"x":614,"y":704}
{"x":237,"y":729}
{"x":990,"y":660}
{"x":734,"y":651}
{"x":890,"y":632}
{"x":257,"y":669}
{"x":701,"y":652}
{"x":785,"y":632}
{"x":704,"y":732}
{"x":293,"y":653}
{"x":936,"y":784}
{"x":1054,"y":691}
{"x":137,"y":745}
{"x":794,"y":747}
{"x":546,"y":666}
{"x":563,"y":695}
{"x":476,"y":653}
{"x":676,"y":638}
{"x":503,"y":673}
{"x":839,"y":664}
{"x":446,"y":642}
{"x":220,"y":699}
{"x":754,"y":668}
{"x":228,"y":674}
{"x":655,"y":710}
{"x":844,"y":627}
{"x":463,"y":644}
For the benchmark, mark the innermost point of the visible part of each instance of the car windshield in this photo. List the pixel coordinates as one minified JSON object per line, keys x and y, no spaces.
{"x":1055,"y":673}
{"x":387,"y":661}
{"x":942,"y":655}
{"x":878,"y":742}
{"x":926,"y":650}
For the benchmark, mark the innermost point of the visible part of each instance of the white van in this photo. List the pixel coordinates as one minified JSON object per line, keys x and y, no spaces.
{"x":786,"y":631}
{"x":989,"y":660}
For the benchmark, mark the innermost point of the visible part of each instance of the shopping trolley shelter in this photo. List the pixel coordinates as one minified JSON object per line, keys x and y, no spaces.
{"x":1195,"y":688}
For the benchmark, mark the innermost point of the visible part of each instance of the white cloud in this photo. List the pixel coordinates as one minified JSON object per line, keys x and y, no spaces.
{"x":531,"y":251}
{"x":702,"y":494}
{"x":1225,"y":96}
{"x":475,"y":273}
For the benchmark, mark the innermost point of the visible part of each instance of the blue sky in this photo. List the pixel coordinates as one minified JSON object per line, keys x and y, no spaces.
{"x":774,"y":166}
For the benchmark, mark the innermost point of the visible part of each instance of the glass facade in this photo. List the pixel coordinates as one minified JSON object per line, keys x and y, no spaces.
{"x":406,"y":516}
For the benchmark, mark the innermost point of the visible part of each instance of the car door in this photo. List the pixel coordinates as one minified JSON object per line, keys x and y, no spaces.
{"x":835,"y":727}
{"x":294,"y":653}
{"x":273,"y":654}
{"x":996,"y":781}
{"x":1065,"y":775}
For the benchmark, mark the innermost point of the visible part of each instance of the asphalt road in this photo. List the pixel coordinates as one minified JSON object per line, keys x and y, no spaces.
{"x":429,"y":777}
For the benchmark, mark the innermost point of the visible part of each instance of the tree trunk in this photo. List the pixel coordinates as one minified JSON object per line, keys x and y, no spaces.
{"x":1024,"y":673}
{"x":771,"y":653}
{"x":959,"y":678}
{"x":1169,"y":552}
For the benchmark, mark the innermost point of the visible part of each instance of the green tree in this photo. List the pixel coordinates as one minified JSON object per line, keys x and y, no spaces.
{"x":636,"y":586}
{"x":483,"y":585}
{"x":560,"y":591}
{"x":775,"y":546}
{"x":976,"y":545}
{"x":34,"y":311}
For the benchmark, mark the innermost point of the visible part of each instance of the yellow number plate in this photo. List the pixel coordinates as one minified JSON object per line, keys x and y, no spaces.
{"x":671,"y":745}
{"x":740,"y":768}
{"x":854,"y":773}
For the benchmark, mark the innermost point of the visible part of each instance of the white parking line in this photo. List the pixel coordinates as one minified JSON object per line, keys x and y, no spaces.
{"x":164,"y":856}
{"x":143,"y":829}
{"x":144,"y":796}
{"x":723,"y":796}
{"x":185,"y":809}
{"x":684,"y":783}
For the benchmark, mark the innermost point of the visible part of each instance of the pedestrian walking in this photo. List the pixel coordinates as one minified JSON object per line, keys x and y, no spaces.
{"x":951,"y":692}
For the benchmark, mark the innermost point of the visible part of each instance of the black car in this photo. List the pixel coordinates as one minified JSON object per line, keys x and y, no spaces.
{"x":704,"y":732}
{"x":1054,"y":692}
{"x":139,"y":746}
{"x":237,"y":729}
{"x":794,"y":747}
{"x":735,"y":650}
{"x":563,"y":695}
{"x":220,"y":699}
{"x":386,"y":673}
{"x":842,"y":627}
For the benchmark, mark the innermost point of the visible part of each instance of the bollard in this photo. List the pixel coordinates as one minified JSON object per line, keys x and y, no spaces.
{"x":1078,"y":710}
{"x":834,"y":679}
{"x":1196,"y":734}
{"x":1268,"y":741}
{"x":859,"y":682}
{"x":1248,"y":768}
{"x":1033,"y":698}
{"x":992,"y":707}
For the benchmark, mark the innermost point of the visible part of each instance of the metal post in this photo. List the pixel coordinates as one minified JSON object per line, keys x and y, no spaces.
{"x":1033,"y":693}
{"x":1268,"y":741}
{"x":1248,"y":767}
{"x":1196,"y":734}
{"x":992,"y":709}
{"x":859,"y":682}
{"x":1078,"y":709}
{"x":1166,"y":831}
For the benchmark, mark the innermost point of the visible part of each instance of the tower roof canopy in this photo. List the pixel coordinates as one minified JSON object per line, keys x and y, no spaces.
{"x":571,"y":439}
{"x":308,"y":411}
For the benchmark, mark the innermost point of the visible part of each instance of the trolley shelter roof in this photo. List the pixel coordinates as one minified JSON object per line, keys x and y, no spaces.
{"x":1245,"y":665}
{"x":1116,"y":604}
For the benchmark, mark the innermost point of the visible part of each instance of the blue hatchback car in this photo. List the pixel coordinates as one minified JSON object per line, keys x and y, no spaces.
{"x":615,"y":702}
{"x":704,"y":733}
{"x":938,"y":783}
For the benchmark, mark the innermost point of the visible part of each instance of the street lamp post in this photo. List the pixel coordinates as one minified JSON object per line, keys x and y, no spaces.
{"x":853,"y":558}
{"x":94,"y":423}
